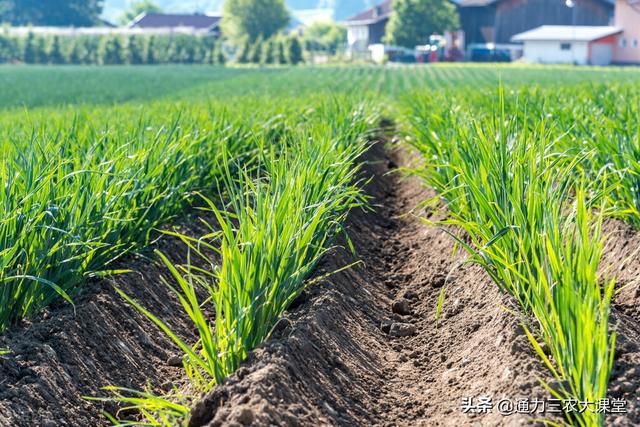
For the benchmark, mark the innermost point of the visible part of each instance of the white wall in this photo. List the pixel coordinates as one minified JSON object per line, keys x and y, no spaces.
{"x":358,"y":34}
{"x":549,"y":52}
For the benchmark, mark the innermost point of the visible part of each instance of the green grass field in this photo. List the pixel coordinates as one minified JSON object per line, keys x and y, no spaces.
{"x":530,"y":160}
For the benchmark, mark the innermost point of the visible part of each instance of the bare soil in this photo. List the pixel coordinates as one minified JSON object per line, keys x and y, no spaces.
{"x":364,"y":349}
{"x":360,"y":348}
{"x":67,"y":352}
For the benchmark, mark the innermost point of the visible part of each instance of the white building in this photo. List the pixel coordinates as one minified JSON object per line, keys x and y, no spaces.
{"x":566,"y":44}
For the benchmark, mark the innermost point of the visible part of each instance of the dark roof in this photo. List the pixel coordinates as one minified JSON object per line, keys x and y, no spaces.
{"x":474,"y":3}
{"x":374,"y":14}
{"x":480,"y":3}
{"x":162,"y":20}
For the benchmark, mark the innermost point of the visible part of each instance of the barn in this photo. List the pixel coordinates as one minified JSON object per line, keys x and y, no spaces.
{"x":567,"y":44}
{"x":496,"y":21}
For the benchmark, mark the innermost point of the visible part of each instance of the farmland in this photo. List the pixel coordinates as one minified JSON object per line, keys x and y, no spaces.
{"x":334,"y":245}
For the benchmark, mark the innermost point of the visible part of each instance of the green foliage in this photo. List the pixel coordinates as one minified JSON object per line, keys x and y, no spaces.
{"x":113,"y":51}
{"x":256,"y":51}
{"x":294,"y":51}
{"x":526,"y":211}
{"x":220,"y":57}
{"x":413,"y":21}
{"x":78,"y":13}
{"x":279,"y":218}
{"x":281,"y":57}
{"x":138,"y":49}
{"x":253,"y":19}
{"x":57,"y":56}
{"x":267,"y":54}
{"x":108,"y":50}
{"x":326,"y":37}
{"x":137,"y":8}
{"x":243,"y":53}
{"x":10,"y":49}
{"x":30,"y":55}
{"x":79,"y":51}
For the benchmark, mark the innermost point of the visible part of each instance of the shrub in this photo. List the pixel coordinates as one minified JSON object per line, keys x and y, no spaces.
{"x":294,"y":51}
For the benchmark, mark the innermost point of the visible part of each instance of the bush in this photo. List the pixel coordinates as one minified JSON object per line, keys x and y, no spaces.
{"x":113,"y":51}
{"x":138,"y":47}
{"x":56,"y":55}
{"x":294,"y":51}
{"x":243,"y":52}
{"x":221,"y":59}
{"x":256,"y":52}
{"x":281,"y":58}
{"x":267,"y":54}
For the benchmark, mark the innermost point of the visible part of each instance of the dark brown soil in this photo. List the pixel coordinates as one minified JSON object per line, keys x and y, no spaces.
{"x":364,"y":348}
{"x":622,"y":260}
{"x":360,"y":348}
{"x":62,"y":355}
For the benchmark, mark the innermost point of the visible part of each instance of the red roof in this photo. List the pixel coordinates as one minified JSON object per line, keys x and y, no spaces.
{"x":162,"y":20}
{"x":374,"y":14}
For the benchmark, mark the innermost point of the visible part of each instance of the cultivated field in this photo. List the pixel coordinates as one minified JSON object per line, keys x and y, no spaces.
{"x":413,"y":245}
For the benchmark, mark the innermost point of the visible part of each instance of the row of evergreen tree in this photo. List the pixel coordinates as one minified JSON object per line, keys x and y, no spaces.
{"x":143,"y":49}
{"x":276,"y":50}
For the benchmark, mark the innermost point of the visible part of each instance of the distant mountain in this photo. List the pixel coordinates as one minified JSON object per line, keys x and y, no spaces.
{"x":343,"y":9}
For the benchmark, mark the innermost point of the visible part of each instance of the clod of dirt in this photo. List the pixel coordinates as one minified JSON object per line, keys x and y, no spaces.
{"x":299,"y":301}
{"x":401,"y":306}
{"x":282,"y":327}
{"x":245,"y":416}
{"x":438,"y":281}
{"x":411,"y":295}
{"x":174,"y":360}
{"x":385,"y":326}
{"x":402,"y":330}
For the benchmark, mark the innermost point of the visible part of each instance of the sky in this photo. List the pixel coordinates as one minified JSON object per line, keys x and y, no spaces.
{"x":113,"y":9}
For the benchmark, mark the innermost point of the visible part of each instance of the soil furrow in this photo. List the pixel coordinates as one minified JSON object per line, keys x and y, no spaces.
{"x":65,"y":353}
{"x":362,"y":348}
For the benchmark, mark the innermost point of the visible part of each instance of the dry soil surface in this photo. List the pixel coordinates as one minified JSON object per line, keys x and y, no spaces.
{"x":362,"y":347}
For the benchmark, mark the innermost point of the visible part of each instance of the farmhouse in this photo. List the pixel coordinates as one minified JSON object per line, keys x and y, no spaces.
{"x":196,"y":23}
{"x":489,"y":21}
{"x":368,"y":27}
{"x":569,"y":44}
{"x":627,"y":17}
{"x":497,"y":21}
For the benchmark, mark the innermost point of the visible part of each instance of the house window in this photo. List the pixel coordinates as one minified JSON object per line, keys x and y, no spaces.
{"x":565,"y":46}
{"x":623,"y":42}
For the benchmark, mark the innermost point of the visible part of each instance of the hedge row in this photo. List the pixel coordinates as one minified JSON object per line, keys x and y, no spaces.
{"x":142,"y":49}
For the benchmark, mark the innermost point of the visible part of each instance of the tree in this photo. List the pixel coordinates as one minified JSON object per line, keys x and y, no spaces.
{"x":138,"y":8}
{"x":9,"y":49}
{"x":294,"y":51}
{"x":30,"y":55}
{"x":325,"y":37}
{"x":253,"y":18}
{"x":138,"y":49}
{"x":413,"y":21}
{"x":220,"y":58}
{"x":79,"y":54}
{"x":242,"y":56}
{"x":281,"y":58}
{"x":78,"y":13}
{"x":152,"y":56}
{"x":267,"y":54}
{"x":57,"y":56}
{"x":256,"y":51}
{"x":113,"y":51}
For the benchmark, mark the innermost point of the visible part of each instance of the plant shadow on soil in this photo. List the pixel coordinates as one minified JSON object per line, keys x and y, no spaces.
{"x":359,"y":348}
